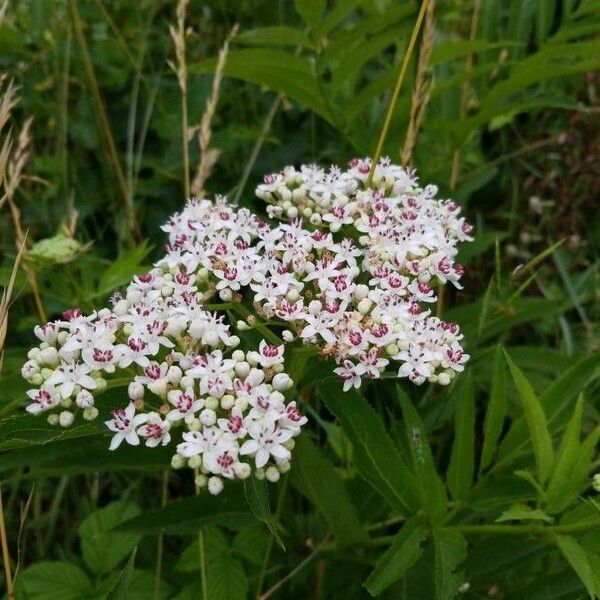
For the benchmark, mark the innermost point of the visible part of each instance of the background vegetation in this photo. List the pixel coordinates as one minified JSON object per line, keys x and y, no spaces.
{"x":483,"y":489}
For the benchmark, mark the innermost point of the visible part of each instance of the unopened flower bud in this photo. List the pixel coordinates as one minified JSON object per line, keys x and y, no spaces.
{"x":272,"y":474}
{"x":200,"y":480}
{"x":49,"y":356}
{"x":596,"y":482}
{"x":195,"y":462}
{"x":208,"y":417}
{"x":53,"y":419}
{"x":135,"y":390}
{"x":282,"y":382}
{"x":226,"y":294}
{"x":177,"y":461}
{"x":215,"y":485}
{"x":66,"y":418}
{"x":84,"y":399}
{"x":90,"y":413}
{"x":227,"y":402}
{"x":211,"y":403}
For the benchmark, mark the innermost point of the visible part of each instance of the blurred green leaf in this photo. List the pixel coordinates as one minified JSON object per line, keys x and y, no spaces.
{"x":120,"y":589}
{"x":226,"y":580}
{"x":450,"y":551}
{"x":54,"y":580}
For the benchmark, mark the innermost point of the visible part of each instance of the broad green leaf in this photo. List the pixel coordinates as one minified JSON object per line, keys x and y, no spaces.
{"x":462,"y":458}
{"x":311,"y":11}
{"x":281,"y":71}
{"x":120,"y":589}
{"x":577,"y":556}
{"x":327,"y":492}
{"x":450,"y":550}
{"x":53,"y":580}
{"x":403,"y":553}
{"x":536,"y":422}
{"x":251,"y":543}
{"x":376,"y":458}
{"x":121,"y":271}
{"x":522,"y":512}
{"x":215,"y":544}
{"x":257,"y":496}
{"x":102,"y":548}
{"x":226,"y":580}
{"x":274,"y":36}
{"x":187,"y":515}
{"x":495,"y":412}
{"x":433,"y":492}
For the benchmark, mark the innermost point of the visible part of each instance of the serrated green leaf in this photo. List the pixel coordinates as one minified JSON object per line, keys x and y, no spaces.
{"x":102,"y":548}
{"x":120,"y":588}
{"x":450,"y":549}
{"x":281,"y":71}
{"x":327,"y":492}
{"x":376,"y":458}
{"x":536,"y":422}
{"x":257,"y":496}
{"x":496,"y":410}
{"x":53,"y":580}
{"x":226,"y":580}
{"x":403,"y":553}
{"x":462,"y":458}
{"x":251,"y":543}
{"x":433,"y":492}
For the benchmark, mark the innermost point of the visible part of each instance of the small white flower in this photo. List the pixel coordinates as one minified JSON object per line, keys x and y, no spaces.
{"x":124,"y":423}
{"x":267,"y":440}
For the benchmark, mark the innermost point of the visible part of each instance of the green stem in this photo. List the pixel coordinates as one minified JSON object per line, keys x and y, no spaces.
{"x":396,"y":93}
{"x":161,"y":537}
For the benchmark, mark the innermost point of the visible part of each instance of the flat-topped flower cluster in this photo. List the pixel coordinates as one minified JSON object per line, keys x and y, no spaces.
{"x":186,"y":377}
{"x":349,"y":271}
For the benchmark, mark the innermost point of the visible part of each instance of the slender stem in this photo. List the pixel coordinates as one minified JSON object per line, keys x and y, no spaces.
{"x":257,"y":147}
{"x":184,"y":141}
{"x":464,"y":94}
{"x":161,"y":537}
{"x":10,"y":592}
{"x":265,"y":564}
{"x":201,"y":549}
{"x":103,"y":120}
{"x":394,"y":99}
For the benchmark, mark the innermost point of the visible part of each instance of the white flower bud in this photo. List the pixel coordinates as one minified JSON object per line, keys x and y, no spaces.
{"x":290,"y":444}
{"x":226,"y":294}
{"x":241,"y":404}
{"x":282,"y":382}
{"x":316,"y":219}
{"x":238,"y":355}
{"x":253,"y":358}
{"x":135,"y":390}
{"x":243,"y":470}
{"x":186,"y":382}
{"x":166,"y":291}
{"x":292,"y":212}
{"x":242,"y":369}
{"x":174,"y":374}
{"x":49,"y":356}
{"x":443,"y":379}
{"x":272,"y":474}
{"x":121,"y":307}
{"x":364,"y":306}
{"x":29,"y":369}
{"x":33,"y":354}
{"x":215,"y":486}
{"x":242,"y":325}
{"x":293,"y":295}
{"x":84,"y":399}
{"x":202,"y":274}
{"x":208,"y":417}
{"x":232,"y":341}
{"x":159,"y":387}
{"x":287,"y":335}
{"x":37,"y":379}
{"x":66,"y":418}
{"x":210,"y":338}
{"x":227,"y":402}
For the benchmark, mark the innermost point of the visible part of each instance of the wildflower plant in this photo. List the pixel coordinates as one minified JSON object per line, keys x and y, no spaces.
{"x":348,"y":271}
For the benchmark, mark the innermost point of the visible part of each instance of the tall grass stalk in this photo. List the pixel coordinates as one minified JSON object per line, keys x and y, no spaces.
{"x":178,"y":35}
{"x":397,"y":87}
{"x":209,"y":156}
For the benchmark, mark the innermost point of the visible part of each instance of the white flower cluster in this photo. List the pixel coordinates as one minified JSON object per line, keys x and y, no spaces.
{"x":185,"y":376}
{"x":350,"y":272}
